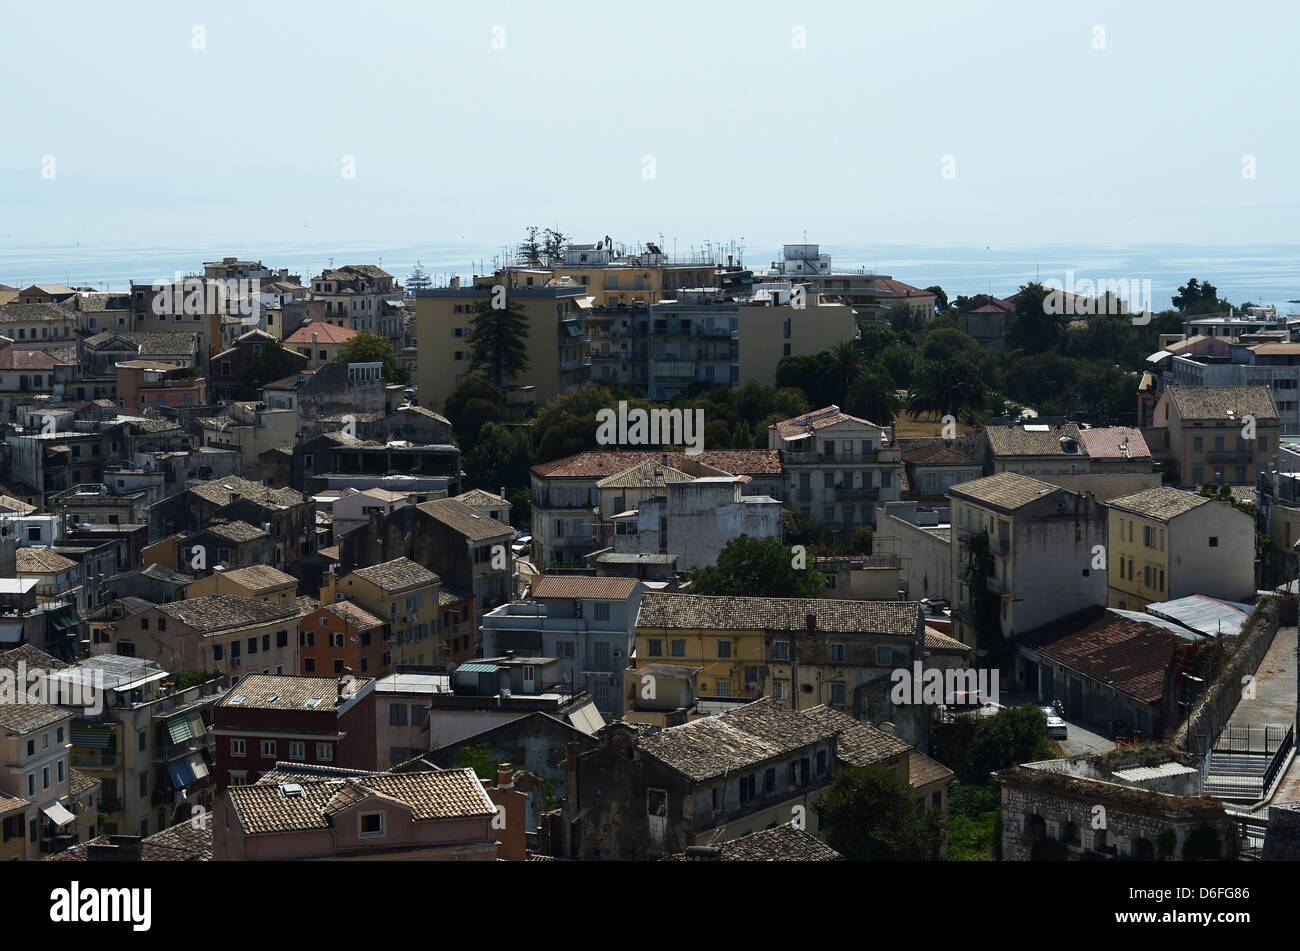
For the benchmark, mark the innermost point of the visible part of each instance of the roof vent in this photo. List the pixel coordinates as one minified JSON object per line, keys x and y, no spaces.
{"x":291,"y":791}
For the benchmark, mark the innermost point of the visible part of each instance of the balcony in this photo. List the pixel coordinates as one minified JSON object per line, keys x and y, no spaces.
{"x":998,"y":586}
{"x":1235,"y":455}
{"x":1001,"y":547}
{"x":880,"y":457}
{"x":850,"y":494}
{"x":96,"y":761}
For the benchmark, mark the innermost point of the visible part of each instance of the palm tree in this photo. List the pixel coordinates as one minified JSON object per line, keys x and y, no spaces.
{"x":872,"y":396}
{"x":846,"y":366}
{"x":951,"y":388}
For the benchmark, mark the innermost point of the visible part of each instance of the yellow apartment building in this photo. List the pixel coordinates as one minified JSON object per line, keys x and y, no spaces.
{"x":257,"y":582}
{"x":405,"y":595}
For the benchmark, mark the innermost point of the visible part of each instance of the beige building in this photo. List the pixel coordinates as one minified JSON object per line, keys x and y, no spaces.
{"x":403,"y":593}
{"x":256,"y":582}
{"x":35,"y":799}
{"x":838,"y":467}
{"x":557,"y":341}
{"x":1225,"y":435}
{"x":769,"y":330}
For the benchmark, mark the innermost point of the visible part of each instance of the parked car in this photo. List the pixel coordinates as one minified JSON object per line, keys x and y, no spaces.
{"x":1056,"y":727}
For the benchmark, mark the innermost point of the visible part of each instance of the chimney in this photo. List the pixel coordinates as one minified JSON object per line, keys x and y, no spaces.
{"x":9,"y":556}
{"x":505,"y":776}
{"x":315,"y":338}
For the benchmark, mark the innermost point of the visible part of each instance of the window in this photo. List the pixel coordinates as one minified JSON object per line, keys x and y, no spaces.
{"x":237,"y":748}
{"x":325,"y":752}
{"x":282,"y":639}
{"x":781,"y":650}
{"x":722,"y":688}
{"x":837,"y":694}
{"x":397,"y":714}
{"x":297,"y":750}
{"x":45,"y":777}
{"x":884,"y":656}
{"x":268,"y":749}
{"x":142,"y":739}
{"x":1198,"y":444}
{"x":837,"y":653}
{"x":266,"y":642}
{"x":309,"y":665}
{"x":252,"y":645}
{"x":679,"y":648}
{"x":656,"y":802}
{"x":747,"y":788}
{"x":31,"y":747}
{"x":769,"y":780}
{"x":1214,"y":541}
{"x":370,"y":823}
{"x":602,"y":611}
{"x":724,"y":648}
{"x":239,"y":777}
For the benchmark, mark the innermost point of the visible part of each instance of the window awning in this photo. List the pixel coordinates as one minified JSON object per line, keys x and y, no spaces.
{"x":179,"y":729}
{"x":197,"y":766}
{"x":180,"y":773}
{"x":64,"y":618}
{"x":95,"y":739}
{"x":58,"y":815}
{"x":197,"y":728}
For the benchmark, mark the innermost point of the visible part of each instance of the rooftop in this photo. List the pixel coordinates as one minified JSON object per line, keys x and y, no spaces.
{"x":400,"y":574}
{"x":219,"y":612}
{"x":1006,"y":490}
{"x":1230,"y":403}
{"x":1162,"y":503}
{"x":285,"y":692}
{"x":580,"y":587}
{"x":460,"y":517}
{"x":701,"y":612}
{"x":815,"y":420}
{"x":859,"y":744}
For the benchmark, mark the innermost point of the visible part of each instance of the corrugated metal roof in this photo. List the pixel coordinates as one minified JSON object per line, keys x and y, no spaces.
{"x":478,"y":668}
{"x":1204,"y":614}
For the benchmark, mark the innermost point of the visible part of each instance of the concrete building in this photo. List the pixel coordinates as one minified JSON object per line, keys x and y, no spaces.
{"x":1032,"y":546}
{"x":403,"y":593}
{"x":1166,"y":543}
{"x":588,"y":624}
{"x":920,"y":537}
{"x":837,"y":466}
{"x":1107,"y":461}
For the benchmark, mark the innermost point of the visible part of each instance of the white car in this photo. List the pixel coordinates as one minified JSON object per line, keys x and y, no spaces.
{"x":1056,"y":727}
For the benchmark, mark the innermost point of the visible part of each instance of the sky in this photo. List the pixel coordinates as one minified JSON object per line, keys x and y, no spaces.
{"x":937,"y":124}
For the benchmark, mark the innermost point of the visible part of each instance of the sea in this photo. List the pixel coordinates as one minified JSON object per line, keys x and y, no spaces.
{"x":1260,"y":274}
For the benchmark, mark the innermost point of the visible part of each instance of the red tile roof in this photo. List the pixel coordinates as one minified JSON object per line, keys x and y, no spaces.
{"x":325,"y":333}
{"x":1129,"y":655}
{"x":937,"y":455}
{"x":11,"y":358}
{"x":815,"y":420}
{"x":1104,"y":443}
{"x":598,"y":464}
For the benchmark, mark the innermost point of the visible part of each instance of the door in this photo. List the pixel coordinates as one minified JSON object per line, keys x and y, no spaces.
{"x":529,"y":678}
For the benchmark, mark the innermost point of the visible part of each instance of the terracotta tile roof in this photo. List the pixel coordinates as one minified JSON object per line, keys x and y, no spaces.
{"x":1122,"y":652}
{"x":700,"y":612}
{"x":1162,"y":502}
{"x":648,"y":474}
{"x":736,"y":740}
{"x":12,"y":358}
{"x":32,"y":656}
{"x":324,"y":333}
{"x":79,"y":782}
{"x":1006,"y":490}
{"x":1105,"y":442}
{"x":937,"y":455}
{"x":236,"y":531}
{"x":481,"y":497}
{"x":227,"y":490}
{"x":858,"y":744}
{"x":1216,"y":402}
{"x":448,"y":595}
{"x":150,"y":851}
{"x":922,"y":770}
{"x":259,"y":578}
{"x":183,"y":837}
{"x":25,"y":717}
{"x":42,"y":561}
{"x":598,"y":464}
{"x":785,"y":843}
{"x":219,"y":612}
{"x":460,"y":517}
{"x":353,"y":614}
{"x":14,"y":312}
{"x":400,"y":574}
{"x":899,"y":289}
{"x":815,"y":420}
{"x":1019,"y":441}
{"x":290,"y":692}
{"x":431,"y":796}
{"x":939,"y":643}
{"x":11,"y":505}
{"x":579,"y":586}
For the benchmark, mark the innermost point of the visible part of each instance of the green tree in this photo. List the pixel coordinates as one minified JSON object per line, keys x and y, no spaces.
{"x":952,"y":388}
{"x":480,"y":759}
{"x":948,"y":343}
{"x":470,"y":405}
{"x":875,"y":339}
{"x":501,"y":457}
{"x":372,"y":348}
{"x":553,"y":244}
{"x":872,"y":815}
{"x":497,"y":344}
{"x":1031,"y":327}
{"x":751,"y":567}
{"x":872,"y":396}
{"x":846,"y":364}
{"x":940,"y":298}
{"x":1008,"y":738}
{"x":1195,"y":297}
{"x":530,"y":249}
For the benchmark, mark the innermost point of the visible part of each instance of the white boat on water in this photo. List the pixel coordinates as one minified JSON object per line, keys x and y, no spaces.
{"x":417,"y":280}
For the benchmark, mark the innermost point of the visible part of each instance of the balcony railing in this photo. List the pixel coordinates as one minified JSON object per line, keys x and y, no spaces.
{"x":848,"y":493}
{"x":882,"y":456}
{"x":96,"y":761}
{"x":1235,"y":455}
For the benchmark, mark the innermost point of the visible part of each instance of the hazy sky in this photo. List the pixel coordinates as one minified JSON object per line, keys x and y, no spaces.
{"x":156,"y":142}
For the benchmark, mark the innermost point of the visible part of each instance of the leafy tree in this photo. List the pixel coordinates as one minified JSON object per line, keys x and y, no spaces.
{"x":470,"y":405}
{"x":940,"y":298}
{"x":905,"y":319}
{"x":947,"y":343}
{"x":273,"y":363}
{"x":845,"y":366}
{"x":875,"y":339}
{"x":805,"y":372}
{"x":751,"y":567}
{"x":372,"y":348}
{"x":573,"y":435}
{"x":872,"y":396}
{"x":480,"y":759}
{"x":973,"y":813}
{"x":900,"y":364}
{"x":501,"y":457}
{"x":530,"y":249}
{"x":1031,"y":328}
{"x":1197,"y":298}
{"x":497,"y":345}
{"x":872,"y":815}
{"x":553,"y":245}
{"x":1008,"y":738}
